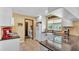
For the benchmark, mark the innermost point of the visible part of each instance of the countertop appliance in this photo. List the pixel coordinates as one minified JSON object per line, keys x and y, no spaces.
{"x":6,"y":32}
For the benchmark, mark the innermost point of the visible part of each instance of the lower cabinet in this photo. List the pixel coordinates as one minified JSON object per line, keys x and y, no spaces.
{"x":10,"y":45}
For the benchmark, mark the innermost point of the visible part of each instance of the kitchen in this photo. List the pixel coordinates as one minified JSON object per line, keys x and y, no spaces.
{"x":54,"y":28}
{"x":61,"y":33}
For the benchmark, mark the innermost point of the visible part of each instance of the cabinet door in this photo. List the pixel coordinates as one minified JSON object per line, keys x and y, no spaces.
{"x":1,"y":46}
{"x":5,"y":16}
{"x":11,"y":45}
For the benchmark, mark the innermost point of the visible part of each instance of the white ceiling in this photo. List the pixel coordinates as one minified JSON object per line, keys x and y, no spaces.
{"x":35,"y":11}
{"x":31,"y":11}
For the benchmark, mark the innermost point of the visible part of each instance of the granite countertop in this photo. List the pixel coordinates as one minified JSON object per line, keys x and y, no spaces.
{"x":45,"y":44}
{"x":59,"y":33}
{"x":15,"y":37}
{"x":71,"y":45}
{"x":50,"y":46}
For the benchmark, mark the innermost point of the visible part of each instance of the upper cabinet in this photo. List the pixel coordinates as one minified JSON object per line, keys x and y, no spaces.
{"x":6,"y":16}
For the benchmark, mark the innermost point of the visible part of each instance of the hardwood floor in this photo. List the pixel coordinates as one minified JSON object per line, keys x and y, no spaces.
{"x":30,"y":45}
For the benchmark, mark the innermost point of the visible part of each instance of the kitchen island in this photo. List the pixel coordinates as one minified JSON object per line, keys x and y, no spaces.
{"x":51,"y":46}
{"x":71,"y":45}
{"x":12,"y":44}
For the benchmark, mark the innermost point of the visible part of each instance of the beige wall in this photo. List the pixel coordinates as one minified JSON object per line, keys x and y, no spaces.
{"x":75,"y":29}
{"x":21,"y":29}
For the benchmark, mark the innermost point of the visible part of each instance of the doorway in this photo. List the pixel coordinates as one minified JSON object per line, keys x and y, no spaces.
{"x":29,"y":30}
{"x":26,"y":28}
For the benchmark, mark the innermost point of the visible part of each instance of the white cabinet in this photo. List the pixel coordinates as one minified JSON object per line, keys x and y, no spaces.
{"x":5,"y":16}
{"x":10,"y":45}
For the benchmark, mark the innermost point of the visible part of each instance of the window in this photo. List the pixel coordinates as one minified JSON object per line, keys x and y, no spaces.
{"x":54,"y":24}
